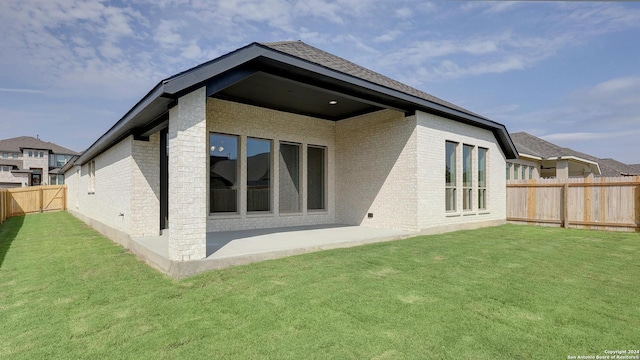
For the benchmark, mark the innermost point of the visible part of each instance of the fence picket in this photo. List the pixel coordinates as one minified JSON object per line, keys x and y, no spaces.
{"x":607,"y":203}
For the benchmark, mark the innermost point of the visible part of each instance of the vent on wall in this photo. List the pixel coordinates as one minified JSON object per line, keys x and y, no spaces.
{"x":370,"y":215}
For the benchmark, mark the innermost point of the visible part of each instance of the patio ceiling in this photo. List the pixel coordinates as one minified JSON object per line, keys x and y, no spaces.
{"x":274,"y":92}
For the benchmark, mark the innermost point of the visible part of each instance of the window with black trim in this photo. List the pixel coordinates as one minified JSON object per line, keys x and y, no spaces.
{"x":289,"y":171}
{"x":223,"y":173}
{"x":316,"y":183}
{"x":258,"y":174}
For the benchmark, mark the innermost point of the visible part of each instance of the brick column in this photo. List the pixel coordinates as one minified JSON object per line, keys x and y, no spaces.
{"x":145,"y":187}
{"x":187,"y":177}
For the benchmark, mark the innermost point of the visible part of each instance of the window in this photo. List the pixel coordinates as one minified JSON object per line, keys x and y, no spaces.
{"x":508,"y":171}
{"x":56,"y":179}
{"x":289,"y":186}
{"x":530,"y":172}
{"x":450,"y":176}
{"x":482,"y":178}
{"x":41,"y":154}
{"x":524,"y":172}
{"x":30,"y":153}
{"x":258,"y":175}
{"x":60,"y":160}
{"x":516,"y":170}
{"x":223,"y":175}
{"x":316,"y":178}
{"x":5,"y":155}
{"x":467,"y":177}
{"x":92,"y":177}
{"x":15,"y":155}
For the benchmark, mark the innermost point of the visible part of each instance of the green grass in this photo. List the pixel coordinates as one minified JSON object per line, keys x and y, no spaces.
{"x":504,"y":292}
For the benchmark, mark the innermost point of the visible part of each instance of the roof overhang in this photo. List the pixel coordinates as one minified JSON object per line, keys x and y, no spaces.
{"x":527,"y":156}
{"x":259,"y":75}
{"x":594,"y":166}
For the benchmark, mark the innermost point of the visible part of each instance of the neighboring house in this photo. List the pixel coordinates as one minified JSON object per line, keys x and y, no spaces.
{"x":29,"y":161}
{"x":284,"y":134}
{"x":539,"y":158}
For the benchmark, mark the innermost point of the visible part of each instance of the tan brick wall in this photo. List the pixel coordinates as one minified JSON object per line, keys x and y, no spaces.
{"x":251,"y":121}
{"x":37,"y":163}
{"x":376,"y":170}
{"x":433,"y":132}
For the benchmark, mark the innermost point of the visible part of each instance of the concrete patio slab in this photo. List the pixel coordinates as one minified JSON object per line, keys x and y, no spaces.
{"x":229,"y":248}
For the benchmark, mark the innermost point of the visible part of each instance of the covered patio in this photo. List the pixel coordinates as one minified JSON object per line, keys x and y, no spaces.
{"x":229,"y":248}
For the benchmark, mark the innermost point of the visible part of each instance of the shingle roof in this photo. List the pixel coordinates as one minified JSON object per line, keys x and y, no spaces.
{"x":15,"y":164}
{"x":307,"y":52}
{"x":533,"y":145}
{"x":294,"y":57}
{"x":16,"y":144}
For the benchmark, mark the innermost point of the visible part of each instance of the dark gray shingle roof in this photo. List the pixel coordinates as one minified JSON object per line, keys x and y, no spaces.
{"x":28,"y":142}
{"x":312,"y":54}
{"x":533,"y":145}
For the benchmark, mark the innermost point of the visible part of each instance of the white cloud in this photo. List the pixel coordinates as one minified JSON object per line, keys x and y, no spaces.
{"x":166,"y":33}
{"x":388,"y":36}
{"x":26,"y":91}
{"x":192,"y":51}
{"x":404,"y":13}
{"x":584,"y":136}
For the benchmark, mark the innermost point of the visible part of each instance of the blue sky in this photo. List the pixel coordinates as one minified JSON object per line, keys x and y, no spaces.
{"x":568,"y":72}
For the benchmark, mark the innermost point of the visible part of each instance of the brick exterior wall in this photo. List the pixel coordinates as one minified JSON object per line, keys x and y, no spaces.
{"x":110,"y":204}
{"x":251,"y":121}
{"x":433,"y":132}
{"x":145,"y":184}
{"x":188,"y":177}
{"x":376,"y":170}
{"x":37,"y":163}
{"x":382,"y":163}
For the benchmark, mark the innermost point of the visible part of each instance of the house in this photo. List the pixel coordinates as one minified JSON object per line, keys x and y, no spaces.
{"x":539,"y":158}
{"x":29,"y":161}
{"x":284,"y":134}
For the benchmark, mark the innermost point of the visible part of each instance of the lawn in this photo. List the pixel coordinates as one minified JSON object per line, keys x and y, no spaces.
{"x":505,"y":292}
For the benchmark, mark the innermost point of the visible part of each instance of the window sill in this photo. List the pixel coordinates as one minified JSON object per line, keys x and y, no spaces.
{"x":468,"y":213}
{"x":317,"y":212}
{"x":484,"y":212}
{"x":452,"y":214}
{"x":223,"y":216}
{"x":259,"y":214}
{"x":291,"y":213}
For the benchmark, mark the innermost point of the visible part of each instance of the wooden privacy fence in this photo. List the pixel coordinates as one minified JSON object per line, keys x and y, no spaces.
{"x":26,"y":200}
{"x":607,"y":203}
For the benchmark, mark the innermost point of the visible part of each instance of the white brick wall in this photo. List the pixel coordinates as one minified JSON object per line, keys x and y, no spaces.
{"x":145,"y":183}
{"x":111,"y":202}
{"x":381,"y":163}
{"x":251,"y":121}
{"x":433,"y":132}
{"x":376,"y":170}
{"x":188,"y":177}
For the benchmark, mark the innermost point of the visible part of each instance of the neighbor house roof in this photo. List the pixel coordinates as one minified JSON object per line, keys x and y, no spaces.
{"x":16,"y":144}
{"x":288,"y":62}
{"x":15,"y":164}
{"x":532,"y":145}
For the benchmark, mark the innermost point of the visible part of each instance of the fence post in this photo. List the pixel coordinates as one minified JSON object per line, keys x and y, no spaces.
{"x":41,"y":194}
{"x":565,"y":205}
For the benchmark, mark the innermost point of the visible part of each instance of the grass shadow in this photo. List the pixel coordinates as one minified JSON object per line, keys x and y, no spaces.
{"x":8,"y":233}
